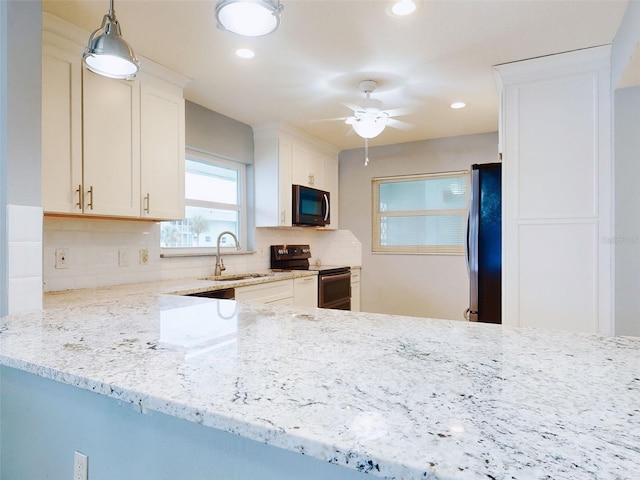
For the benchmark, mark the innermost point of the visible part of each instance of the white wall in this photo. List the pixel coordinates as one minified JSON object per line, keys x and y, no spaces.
{"x":625,"y":49}
{"x":627,"y":220}
{"x":419,"y":285}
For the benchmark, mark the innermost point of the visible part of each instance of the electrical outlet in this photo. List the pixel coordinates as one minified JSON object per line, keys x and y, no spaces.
{"x":80,"y":466}
{"x":144,"y":256}
{"x":62,"y":259}
{"x":123,"y":257}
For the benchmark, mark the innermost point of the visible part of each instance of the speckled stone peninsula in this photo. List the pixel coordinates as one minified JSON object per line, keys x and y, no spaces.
{"x":393,"y":397}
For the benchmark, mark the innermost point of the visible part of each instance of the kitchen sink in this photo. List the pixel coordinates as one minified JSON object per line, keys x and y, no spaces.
{"x":238,"y":276}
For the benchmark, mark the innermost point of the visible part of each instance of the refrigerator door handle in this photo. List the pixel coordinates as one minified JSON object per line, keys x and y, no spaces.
{"x":472,"y":245}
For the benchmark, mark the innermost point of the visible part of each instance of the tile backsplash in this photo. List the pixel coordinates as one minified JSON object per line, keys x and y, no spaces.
{"x":24,"y":254}
{"x":107,"y":252}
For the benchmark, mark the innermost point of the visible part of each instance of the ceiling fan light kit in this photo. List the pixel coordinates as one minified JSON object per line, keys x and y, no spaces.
{"x":251,"y":18}
{"x":107,"y":53}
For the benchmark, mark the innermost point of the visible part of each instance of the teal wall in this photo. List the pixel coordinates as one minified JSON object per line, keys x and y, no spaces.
{"x":44,"y":422}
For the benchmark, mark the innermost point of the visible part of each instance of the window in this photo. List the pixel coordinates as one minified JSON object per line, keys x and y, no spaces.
{"x":420,"y":213}
{"x":215,"y":202}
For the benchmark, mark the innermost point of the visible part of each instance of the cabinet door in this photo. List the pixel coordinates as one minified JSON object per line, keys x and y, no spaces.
{"x":111,"y":160}
{"x":307,"y":167}
{"x":355,"y":297}
{"x":162,"y":153}
{"x":285,"y":148}
{"x":331,"y":185}
{"x":61,"y":131}
{"x":305,"y":291}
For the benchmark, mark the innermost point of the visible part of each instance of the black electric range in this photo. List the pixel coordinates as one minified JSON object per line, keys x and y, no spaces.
{"x":334,"y":282}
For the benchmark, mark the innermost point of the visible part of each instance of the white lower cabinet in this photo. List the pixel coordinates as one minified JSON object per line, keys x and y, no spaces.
{"x":355,"y":289}
{"x":280,"y":293}
{"x":305,"y":291}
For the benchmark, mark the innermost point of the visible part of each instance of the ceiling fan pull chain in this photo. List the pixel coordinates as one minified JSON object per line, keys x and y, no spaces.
{"x":366,"y":152}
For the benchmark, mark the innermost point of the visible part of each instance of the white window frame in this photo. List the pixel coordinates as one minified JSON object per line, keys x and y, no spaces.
{"x":241,"y":207}
{"x":376,"y":243}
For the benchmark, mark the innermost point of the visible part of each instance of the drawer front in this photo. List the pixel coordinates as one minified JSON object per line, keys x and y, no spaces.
{"x":266,"y":292}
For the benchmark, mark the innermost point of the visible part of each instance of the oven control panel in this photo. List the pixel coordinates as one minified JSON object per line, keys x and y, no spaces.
{"x":290,"y":257}
{"x":290,"y":252}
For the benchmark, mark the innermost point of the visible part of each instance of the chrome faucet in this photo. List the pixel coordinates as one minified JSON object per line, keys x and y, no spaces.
{"x":219,"y":263}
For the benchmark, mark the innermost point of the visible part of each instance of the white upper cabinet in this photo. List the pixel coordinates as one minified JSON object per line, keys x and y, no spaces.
{"x":109,"y":147}
{"x":61,"y":130}
{"x":285,"y":157}
{"x":272,"y":169}
{"x":556,"y":146}
{"x":161,"y":142}
{"x":307,"y":167}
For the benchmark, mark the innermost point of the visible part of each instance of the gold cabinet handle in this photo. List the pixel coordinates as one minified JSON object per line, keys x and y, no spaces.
{"x":79,"y":192}
{"x":90,"y":192}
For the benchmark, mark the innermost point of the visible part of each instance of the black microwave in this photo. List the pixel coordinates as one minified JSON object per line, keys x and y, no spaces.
{"x":311,"y":207}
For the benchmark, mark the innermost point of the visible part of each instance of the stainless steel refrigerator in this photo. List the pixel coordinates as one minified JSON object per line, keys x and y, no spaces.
{"x":484,"y":244}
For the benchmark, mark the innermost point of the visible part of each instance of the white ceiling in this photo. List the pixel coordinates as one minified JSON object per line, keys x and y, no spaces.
{"x":313,"y":63}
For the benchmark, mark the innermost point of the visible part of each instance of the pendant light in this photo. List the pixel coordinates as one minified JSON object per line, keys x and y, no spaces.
{"x":251,"y":18}
{"x":107,"y":53}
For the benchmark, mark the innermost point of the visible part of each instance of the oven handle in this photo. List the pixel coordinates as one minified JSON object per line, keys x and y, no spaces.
{"x":335,"y":276}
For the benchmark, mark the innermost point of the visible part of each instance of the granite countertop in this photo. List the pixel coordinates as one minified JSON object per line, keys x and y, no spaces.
{"x":396,"y":397}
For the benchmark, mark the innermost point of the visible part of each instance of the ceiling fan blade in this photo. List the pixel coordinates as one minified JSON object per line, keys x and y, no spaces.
{"x":328,"y":119}
{"x":400,"y":111}
{"x":353,"y":107}
{"x":393,"y":123}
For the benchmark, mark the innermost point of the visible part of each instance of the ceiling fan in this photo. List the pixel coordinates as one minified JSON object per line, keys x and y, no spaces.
{"x":369,"y":119}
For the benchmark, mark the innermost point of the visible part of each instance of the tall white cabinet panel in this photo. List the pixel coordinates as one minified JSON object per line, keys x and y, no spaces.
{"x":61,"y":130}
{"x":555,"y":142}
{"x":161,"y":143}
{"x":111,"y":115}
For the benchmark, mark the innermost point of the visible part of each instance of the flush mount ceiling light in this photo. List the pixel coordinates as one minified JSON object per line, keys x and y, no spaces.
{"x":107,"y":53}
{"x":252,"y":18}
{"x":403,"y":7}
{"x":457,"y":105}
{"x":245,"y":53}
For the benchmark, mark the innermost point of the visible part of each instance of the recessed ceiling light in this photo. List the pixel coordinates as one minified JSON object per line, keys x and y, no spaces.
{"x":245,"y":53}
{"x":403,"y":7}
{"x":456,"y":105}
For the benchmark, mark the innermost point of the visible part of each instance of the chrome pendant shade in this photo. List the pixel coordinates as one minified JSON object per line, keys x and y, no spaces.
{"x":251,"y":18}
{"x":107,"y":53}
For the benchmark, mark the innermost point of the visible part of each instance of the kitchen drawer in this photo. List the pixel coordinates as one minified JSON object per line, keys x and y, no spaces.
{"x":266,"y":292}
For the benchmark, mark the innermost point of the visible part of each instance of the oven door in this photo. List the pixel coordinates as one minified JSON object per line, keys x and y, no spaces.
{"x":334,"y":291}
